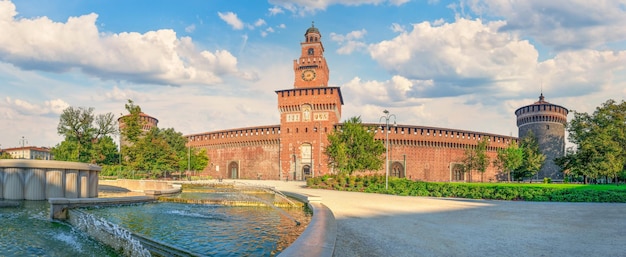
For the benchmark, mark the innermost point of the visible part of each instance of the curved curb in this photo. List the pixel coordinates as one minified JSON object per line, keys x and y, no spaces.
{"x":318,"y":239}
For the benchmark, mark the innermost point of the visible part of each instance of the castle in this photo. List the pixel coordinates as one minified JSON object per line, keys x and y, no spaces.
{"x":294,"y":149}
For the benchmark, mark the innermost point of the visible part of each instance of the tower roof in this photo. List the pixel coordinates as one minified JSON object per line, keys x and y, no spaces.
{"x":312,"y":29}
{"x":541,"y":100}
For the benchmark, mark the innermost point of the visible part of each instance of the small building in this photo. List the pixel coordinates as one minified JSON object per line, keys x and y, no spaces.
{"x":29,"y":152}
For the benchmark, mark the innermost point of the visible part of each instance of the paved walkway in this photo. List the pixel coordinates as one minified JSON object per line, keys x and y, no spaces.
{"x":386,"y":225}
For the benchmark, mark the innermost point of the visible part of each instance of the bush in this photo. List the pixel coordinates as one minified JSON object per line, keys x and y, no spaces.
{"x":405,"y":187}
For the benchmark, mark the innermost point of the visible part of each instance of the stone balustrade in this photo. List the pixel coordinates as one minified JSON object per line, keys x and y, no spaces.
{"x":23,"y":179}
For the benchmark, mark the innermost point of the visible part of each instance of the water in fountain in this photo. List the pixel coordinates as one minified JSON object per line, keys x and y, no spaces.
{"x":109,"y":233}
{"x":26,"y":230}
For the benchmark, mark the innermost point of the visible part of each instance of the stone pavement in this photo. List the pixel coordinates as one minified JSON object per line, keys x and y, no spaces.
{"x":387,"y":225}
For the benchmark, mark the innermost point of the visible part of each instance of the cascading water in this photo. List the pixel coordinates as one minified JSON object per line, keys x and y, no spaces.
{"x":108,"y":233}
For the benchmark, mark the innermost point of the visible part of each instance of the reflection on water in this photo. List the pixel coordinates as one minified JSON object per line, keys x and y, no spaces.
{"x":211,"y":230}
{"x":26,"y":230}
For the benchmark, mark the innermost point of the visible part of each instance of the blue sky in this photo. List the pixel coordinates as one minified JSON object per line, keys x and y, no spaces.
{"x":200,"y":66}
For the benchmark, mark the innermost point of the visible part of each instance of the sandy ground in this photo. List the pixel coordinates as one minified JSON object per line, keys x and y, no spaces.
{"x":386,"y":225}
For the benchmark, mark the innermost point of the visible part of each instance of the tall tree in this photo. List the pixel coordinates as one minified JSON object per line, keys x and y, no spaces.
{"x":353,"y":148}
{"x":533,"y":158}
{"x":476,"y":158}
{"x":83,"y":131}
{"x":509,"y":159}
{"x":482,"y":160}
{"x":600,"y":140}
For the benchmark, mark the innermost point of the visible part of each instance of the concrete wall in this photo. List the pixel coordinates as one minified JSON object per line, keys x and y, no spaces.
{"x":22,"y":179}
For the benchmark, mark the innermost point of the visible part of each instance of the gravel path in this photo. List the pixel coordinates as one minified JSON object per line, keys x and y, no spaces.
{"x":386,"y":225}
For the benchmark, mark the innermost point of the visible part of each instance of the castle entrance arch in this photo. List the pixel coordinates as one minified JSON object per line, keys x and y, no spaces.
{"x":306,"y":170}
{"x":233,"y":170}
{"x":397,"y":170}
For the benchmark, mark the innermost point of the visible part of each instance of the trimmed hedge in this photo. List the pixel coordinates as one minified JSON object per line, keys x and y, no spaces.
{"x":494,"y":191}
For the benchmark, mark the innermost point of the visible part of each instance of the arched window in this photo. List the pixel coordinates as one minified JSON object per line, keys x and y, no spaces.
{"x":397,"y":170}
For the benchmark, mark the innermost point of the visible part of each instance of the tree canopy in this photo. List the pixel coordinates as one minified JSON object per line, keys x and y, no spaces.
{"x":532,"y":159}
{"x":352,"y":147}
{"x":509,"y":159}
{"x":476,"y":158}
{"x":87,"y":137}
{"x":600,"y":140}
{"x":156,"y":152}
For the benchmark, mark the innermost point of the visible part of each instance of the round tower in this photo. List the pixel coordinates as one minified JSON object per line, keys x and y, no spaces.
{"x":547,"y":122}
{"x":147,"y":123}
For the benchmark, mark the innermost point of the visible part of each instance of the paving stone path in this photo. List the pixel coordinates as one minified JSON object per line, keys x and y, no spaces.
{"x":386,"y":225}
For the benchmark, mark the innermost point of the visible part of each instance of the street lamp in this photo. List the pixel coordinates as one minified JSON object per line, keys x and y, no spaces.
{"x":387,"y":117}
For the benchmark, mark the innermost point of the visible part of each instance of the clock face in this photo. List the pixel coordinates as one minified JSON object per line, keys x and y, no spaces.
{"x":308,"y":75}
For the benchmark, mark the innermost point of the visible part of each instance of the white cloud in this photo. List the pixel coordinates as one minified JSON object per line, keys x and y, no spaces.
{"x":191,"y":28}
{"x":231,"y":19}
{"x":395,"y":27}
{"x":303,"y":7}
{"x":470,"y":56}
{"x":349,"y":42}
{"x":275,"y":10}
{"x":154,"y":57}
{"x":562,"y":24}
{"x":55,"y":106}
{"x":259,"y":22}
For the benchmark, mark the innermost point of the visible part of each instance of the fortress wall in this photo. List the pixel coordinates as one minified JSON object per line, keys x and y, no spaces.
{"x":427,"y":153}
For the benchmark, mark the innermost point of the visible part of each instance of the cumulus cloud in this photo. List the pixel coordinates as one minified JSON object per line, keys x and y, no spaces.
{"x":154,"y":57}
{"x":275,"y":10}
{"x":52,"y":107}
{"x":349,"y":42}
{"x":562,"y":24}
{"x":470,"y":56}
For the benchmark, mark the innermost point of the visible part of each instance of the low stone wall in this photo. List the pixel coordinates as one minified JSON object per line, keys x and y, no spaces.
{"x":23,"y":179}
{"x":139,"y":185}
{"x":319,"y":238}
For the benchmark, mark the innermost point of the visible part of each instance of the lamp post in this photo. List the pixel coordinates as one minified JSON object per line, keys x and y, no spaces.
{"x":23,"y":141}
{"x":387,"y":117}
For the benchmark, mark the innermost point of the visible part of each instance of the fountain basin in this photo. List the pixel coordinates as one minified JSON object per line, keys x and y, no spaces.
{"x":23,"y":179}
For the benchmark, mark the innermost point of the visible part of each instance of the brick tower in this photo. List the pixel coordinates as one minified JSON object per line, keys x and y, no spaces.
{"x":547,"y":122}
{"x":308,"y":112}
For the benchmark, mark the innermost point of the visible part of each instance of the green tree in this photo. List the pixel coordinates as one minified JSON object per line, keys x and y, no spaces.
{"x":198,"y":157}
{"x":482,"y":160}
{"x":469,"y":161}
{"x":352,"y":148}
{"x":476,"y":158}
{"x":132,"y":123}
{"x":509,"y":159}
{"x":85,"y":135}
{"x":533,"y":158}
{"x":600,"y":140}
{"x":6,"y":155}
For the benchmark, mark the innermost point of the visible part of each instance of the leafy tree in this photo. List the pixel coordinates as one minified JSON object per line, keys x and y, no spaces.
{"x":353,"y":148}
{"x":85,"y":135}
{"x":156,"y":152}
{"x":198,"y":157}
{"x":600,"y":140}
{"x":482,"y":160}
{"x":132,"y":128}
{"x":469,"y":162}
{"x":533,"y":158}
{"x":476,"y":158}
{"x":6,"y":155}
{"x":510,"y":158}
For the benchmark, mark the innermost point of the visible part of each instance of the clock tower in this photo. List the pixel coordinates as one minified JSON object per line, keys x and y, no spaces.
{"x":308,"y":112}
{"x":310,"y":69}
